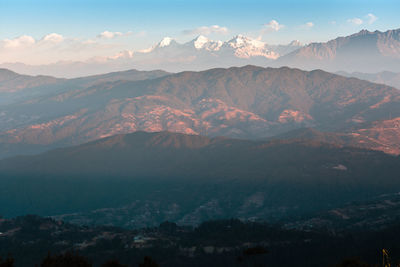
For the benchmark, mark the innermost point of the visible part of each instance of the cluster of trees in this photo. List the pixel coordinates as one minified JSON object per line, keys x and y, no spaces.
{"x":213,"y":243}
{"x":8,"y":262}
{"x":71,"y":259}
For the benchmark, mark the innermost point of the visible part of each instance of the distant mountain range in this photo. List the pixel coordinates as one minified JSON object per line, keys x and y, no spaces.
{"x":385,"y":77}
{"x":361,"y":52}
{"x":248,"y":102}
{"x":380,"y":135}
{"x":364,"y":51}
{"x":11,"y":82}
{"x":198,"y":54}
{"x":16,"y":87}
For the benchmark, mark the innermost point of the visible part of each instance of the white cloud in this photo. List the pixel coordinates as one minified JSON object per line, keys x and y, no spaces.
{"x":53,"y":38}
{"x":273,"y":25}
{"x":112,"y":35}
{"x":88,"y":42}
{"x":206,"y":30}
{"x":371,"y":18}
{"x":21,"y":41}
{"x":109,"y":35}
{"x":122,"y":54}
{"x":53,"y":47}
{"x":307,"y":25}
{"x":355,"y":21}
{"x":310,"y":24}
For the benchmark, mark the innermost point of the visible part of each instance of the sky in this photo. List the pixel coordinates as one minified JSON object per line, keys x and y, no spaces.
{"x":46,"y":31}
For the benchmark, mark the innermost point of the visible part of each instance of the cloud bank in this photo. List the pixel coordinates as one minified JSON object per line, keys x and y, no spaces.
{"x":369,"y":18}
{"x":112,"y":35}
{"x":206,"y":30}
{"x":273,"y":25}
{"x":355,"y":21}
{"x":53,"y":47}
{"x":307,"y":25}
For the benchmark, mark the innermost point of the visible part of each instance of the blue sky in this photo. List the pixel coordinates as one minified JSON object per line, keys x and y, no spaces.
{"x":142,"y":23}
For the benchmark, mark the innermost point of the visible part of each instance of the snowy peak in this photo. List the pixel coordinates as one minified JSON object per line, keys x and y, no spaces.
{"x":246,"y":47}
{"x":202,"y":42}
{"x":166,"y":41}
{"x":241,"y":41}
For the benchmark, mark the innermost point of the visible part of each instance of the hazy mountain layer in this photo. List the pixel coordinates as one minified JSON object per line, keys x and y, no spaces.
{"x":18,"y":88}
{"x":247,"y":102}
{"x":380,"y":135}
{"x":361,"y":52}
{"x":386,"y":77}
{"x":11,"y":82}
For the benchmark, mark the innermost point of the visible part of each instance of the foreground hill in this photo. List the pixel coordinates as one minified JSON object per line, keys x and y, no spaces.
{"x":144,"y":178}
{"x":247,"y":102}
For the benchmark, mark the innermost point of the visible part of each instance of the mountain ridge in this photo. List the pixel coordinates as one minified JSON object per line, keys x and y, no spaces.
{"x":246,"y":102}
{"x":364,"y":51}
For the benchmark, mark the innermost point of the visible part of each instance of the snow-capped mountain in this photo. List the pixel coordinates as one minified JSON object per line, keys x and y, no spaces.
{"x":203,"y":53}
{"x":202,"y":42}
{"x":165,"y":42}
{"x":198,"y":54}
{"x":239,"y":46}
{"x":245,"y":47}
